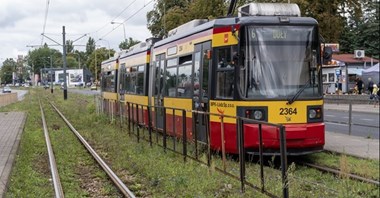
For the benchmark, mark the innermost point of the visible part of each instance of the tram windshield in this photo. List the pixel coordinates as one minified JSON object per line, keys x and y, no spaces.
{"x":280,"y":62}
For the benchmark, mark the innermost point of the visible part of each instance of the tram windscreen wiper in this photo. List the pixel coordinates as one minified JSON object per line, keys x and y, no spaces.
{"x":291,"y":100}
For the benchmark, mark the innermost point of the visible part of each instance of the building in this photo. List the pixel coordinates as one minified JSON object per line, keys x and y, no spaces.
{"x":343,"y":70}
{"x":74,"y":77}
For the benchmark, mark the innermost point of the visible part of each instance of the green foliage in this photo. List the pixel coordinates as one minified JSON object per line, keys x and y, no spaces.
{"x":128,"y":43}
{"x":95,"y":59}
{"x":69,"y":46}
{"x":6,"y":72}
{"x":90,"y":46}
{"x":169,"y":14}
{"x":37,"y":58}
{"x":352,"y":23}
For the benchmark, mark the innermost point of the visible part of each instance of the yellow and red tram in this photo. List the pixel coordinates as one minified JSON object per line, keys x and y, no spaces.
{"x":264,"y":64}
{"x":109,"y":85}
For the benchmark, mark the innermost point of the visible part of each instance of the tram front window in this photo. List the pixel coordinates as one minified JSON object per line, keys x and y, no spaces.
{"x":279,"y":61}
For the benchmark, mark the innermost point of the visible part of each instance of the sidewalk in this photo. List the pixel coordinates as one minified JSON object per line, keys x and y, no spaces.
{"x":349,"y":144}
{"x":352,"y":145}
{"x":11,"y":127}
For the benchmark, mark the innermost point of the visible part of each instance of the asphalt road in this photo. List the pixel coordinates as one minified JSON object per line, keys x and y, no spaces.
{"x":363,"y":124}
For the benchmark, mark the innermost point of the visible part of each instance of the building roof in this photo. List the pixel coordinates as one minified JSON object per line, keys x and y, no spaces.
{"x":349,"y":58}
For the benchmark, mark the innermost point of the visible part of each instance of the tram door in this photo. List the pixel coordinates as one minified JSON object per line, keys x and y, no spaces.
{"x":202,"y":64}
{"x":159,"y":91}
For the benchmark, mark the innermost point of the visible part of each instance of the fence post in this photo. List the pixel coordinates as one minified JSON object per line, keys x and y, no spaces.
{"x":149,"y":126}
{"x":206,"y":118}
{"x":261,"y":158}
{"x":174,"y":132}
{"x":121,"y":115}
{"x":284,"y":161}
{"x":240,"y":134}
{"x":349,"y":117}
{"x":129,"y":118}
{"x":222,"y":141}
{"x":194,"y":130}
{"x":137,"y":123}
{"x":156,"y":109}
{"x":184,"y":135}
{"x":164,"y":128}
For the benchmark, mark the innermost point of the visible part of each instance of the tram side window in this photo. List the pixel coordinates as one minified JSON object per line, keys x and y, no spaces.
{"x":184,"y":85}
{"x":224,"y":73}
{"x":122,"y":78}
{"x":171,"y":78}
{"x":140,"y":81}
{"x":109,"y":81}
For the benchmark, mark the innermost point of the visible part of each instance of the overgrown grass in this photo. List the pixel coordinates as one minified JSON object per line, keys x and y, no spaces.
{"x":151,"y":172}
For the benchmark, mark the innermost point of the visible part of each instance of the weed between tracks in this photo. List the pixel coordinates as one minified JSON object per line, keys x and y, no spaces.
{"x":149,"y":171}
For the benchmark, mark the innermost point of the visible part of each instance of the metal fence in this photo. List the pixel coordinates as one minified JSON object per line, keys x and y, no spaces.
{"x":349,"y":109}
{"x":142,"y":123}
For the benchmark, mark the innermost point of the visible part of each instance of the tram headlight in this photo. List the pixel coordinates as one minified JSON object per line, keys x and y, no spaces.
{"x":314,"y":114}
{"x":255,"y":113}
{"x":258,"y":115}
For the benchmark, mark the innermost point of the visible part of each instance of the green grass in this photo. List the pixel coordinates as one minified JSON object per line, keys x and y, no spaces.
{"x":149,"y":171}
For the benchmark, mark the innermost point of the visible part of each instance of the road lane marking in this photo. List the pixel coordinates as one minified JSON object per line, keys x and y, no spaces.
{"x":366,"y":119}
{"x":336,"y":123}
{"x":329,"y":115}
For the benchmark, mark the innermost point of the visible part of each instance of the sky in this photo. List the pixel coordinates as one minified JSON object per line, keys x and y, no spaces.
{"x":22,"y":23}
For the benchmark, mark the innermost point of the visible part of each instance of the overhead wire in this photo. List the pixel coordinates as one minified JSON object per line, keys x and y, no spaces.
{"x":45,"y":20}
{"x":126,"y":19}
{"x":87,"y":34}
{"x":121,"y":12}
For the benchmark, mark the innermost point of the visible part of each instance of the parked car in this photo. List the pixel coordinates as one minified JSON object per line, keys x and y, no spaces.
{"x":7,"y":89}
{"x":93,"y":87}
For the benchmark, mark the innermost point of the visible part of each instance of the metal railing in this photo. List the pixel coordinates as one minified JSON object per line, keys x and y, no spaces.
{"x":143,"y":122}
{"x":350,"y":122}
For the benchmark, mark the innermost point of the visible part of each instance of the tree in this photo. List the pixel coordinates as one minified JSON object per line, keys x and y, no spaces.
{"x":200,"y":9}
{"x":90,"y":46}
{"x":156,"y":18}
{"x":95,"y":60}
{"x":37,"y":58}
{"x":362,"y":27}
{"x":6,"y":72}
{"x":69,"y":46}
{"x":128,"y":43}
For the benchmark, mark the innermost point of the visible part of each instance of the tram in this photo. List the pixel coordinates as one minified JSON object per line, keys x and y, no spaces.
{"x":264,"y":64}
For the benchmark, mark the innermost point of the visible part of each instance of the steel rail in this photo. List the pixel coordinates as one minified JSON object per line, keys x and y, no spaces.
{"x":337,"y":172}
{"x":117,"y":181}
{"x":53,"y":165}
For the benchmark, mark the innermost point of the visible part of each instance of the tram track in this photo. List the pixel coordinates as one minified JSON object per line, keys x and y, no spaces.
{"x":338,"y":172}
{"x":58,"y":190}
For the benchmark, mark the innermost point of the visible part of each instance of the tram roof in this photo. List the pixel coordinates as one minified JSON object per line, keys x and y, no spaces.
{"x":197,"y":29}
{"x":283,"y":20}
{"x":111,"y":59}
{"x":138,"y":48}
{"x":266,"y":20}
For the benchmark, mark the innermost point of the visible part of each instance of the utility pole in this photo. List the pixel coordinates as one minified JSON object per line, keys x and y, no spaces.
{"x":51,"y":74}
{"x":64,"y":64}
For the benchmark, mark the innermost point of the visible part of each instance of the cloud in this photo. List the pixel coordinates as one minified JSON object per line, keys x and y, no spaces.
{"x":21,"y":23}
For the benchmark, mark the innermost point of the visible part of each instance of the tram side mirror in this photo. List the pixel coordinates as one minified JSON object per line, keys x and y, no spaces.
{"x":235,"y":58}
{"x":327,"y":55}
{"x":233,"y":32}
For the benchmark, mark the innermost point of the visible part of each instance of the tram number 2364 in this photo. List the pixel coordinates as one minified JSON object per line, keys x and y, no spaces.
{"x":288,"y":111}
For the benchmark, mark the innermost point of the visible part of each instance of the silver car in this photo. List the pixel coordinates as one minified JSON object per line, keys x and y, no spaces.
{"x":7,"y":89}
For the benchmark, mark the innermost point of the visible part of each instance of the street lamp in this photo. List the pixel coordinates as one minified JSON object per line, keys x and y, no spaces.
{"x":109,"y":53}
{"x":78,"y":60}
{"x":50,"y":72}
{"x":125,"y":37}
